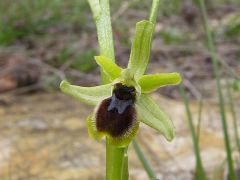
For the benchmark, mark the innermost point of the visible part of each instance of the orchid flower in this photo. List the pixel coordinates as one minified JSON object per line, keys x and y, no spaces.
{"x":125,"y":102}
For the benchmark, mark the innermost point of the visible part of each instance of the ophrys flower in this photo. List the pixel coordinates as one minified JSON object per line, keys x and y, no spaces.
{"x":122,"y":104}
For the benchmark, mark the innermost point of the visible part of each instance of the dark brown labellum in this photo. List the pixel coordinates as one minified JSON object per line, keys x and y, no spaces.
{"x":116,"y":115}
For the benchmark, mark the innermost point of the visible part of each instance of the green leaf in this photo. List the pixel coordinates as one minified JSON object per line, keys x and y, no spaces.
{"x":152,"y":82}
{"x":150,"y":114}
{"x":109,"y":67}
{"x":141,"y":47}
{"x":88,"y":95}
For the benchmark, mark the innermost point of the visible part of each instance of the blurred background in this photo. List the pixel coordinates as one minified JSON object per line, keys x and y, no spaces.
{"x":43,"y":134}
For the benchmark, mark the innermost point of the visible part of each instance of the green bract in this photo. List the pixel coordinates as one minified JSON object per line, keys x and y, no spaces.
{"x":147,"y":111}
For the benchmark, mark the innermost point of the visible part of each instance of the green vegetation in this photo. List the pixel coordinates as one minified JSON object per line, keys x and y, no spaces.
{"x":212,"y":52}
{"x":24,"y":19}
{"x":146,"y":111}
{"x":83,"y":62}
{"x":199,"y":170}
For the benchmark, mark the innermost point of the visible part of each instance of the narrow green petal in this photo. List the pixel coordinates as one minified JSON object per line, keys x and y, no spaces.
{"x":109,"y":67}
{"x":152,"y":82}
{"x":141,"y":47}
{"x":88,"y":95}
{"x":150,"y":114}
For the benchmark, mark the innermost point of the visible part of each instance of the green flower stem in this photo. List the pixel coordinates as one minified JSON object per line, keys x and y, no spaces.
{"x":199,"y":168}
{"x":143,"y":160}
{"x":219,"y":89}
{"x":114,"y":162}
{"x":154,"y":11}
{"x":101,"y":13}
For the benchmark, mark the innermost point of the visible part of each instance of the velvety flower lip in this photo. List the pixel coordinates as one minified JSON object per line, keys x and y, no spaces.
{"x":122,"y":104}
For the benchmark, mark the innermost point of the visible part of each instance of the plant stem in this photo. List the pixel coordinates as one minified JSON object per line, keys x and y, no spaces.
{"x":114,"y":162}
{"x":143,"y":160}
{"x":219,"y":90}
{"x":199,"y":168}
{"x":101,"y":13}
{"x":199,"y":119}
{"x":234,"y":117}
{"x":154,"y":11}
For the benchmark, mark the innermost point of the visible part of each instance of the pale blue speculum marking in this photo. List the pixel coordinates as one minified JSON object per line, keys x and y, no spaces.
{"x":120,"y":105}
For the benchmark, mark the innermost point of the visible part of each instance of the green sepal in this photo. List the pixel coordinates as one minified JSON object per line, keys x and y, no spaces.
{"x":112,"y":70}
{"x":88,"y":95}
{"x":141,"y":47}
{"x":150,"y":114}
{"x":152,"y":82}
